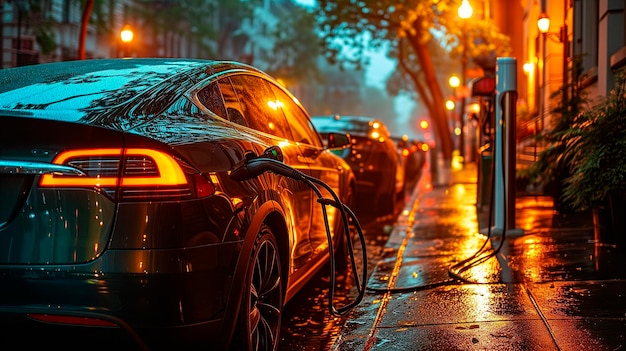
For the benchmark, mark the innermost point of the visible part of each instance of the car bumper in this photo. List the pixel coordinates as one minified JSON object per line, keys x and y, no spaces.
{"x":182,"y":301}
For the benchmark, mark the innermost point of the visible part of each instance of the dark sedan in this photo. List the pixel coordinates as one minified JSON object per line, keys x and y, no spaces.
{"x":374,"y":159}
{"x":413,"y":154}
{"x":122,"y":220}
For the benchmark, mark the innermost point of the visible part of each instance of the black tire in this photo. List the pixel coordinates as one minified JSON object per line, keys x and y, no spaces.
{"x":260,"y":315}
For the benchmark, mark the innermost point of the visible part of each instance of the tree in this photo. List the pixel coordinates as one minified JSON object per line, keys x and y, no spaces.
{"x":31,"y":15}
{"x":554,"y":164}
{"x":195,"y":21}
{"x":296,"y":47}
{"x":83,"y":28}
{"x":410,"y":28}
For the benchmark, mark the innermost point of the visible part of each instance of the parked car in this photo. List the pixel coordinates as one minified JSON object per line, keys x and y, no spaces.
{"x":374,"y":159}
{"x":120,"y":220}
{"x":413,"y":154}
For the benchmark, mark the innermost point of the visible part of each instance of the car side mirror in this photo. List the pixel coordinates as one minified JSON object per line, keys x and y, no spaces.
{"x":337,"y":141}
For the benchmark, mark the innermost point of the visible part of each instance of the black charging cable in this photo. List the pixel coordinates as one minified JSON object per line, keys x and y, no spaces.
{"x":481,"y":255}
{"x":271,"y":161}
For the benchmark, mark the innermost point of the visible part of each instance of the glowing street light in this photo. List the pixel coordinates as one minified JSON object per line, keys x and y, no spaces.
{"x":454,"y":81}
{"x":126,"y":35}
{"x":450,"y":105}
{"x":465,"y":10}
{"x":543,"y":23}
{"x":424,"y":124}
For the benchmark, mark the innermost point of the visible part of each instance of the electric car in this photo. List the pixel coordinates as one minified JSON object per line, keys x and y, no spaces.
{"x":413,"y":154}
{"x":373,"y":156}
{"x":122,"y":220}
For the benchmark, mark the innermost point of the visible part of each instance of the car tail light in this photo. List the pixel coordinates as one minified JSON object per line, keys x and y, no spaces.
{"x":129,"y":174}
{"x":71,"y":320}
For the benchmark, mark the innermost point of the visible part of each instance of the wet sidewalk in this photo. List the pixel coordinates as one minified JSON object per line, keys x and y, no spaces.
{"x":446,"y":281}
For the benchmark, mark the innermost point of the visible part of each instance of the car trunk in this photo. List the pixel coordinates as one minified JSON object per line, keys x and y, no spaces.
{"x":50,"y":225}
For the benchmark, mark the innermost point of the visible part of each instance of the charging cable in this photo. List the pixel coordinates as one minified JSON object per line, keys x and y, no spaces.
{"x":481,"y":255}
{"x":271,"y":161}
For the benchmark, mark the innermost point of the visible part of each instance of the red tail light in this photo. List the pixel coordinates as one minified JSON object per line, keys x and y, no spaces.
{"x":71,"y":320}
{"x":130,"y":174}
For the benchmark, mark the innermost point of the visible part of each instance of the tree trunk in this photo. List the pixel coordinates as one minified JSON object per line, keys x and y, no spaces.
{"x":83,"y":29}
{"x":437,"y":110}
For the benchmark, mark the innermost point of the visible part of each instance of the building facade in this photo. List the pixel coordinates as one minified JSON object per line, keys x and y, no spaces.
{"x":39,"y":31}
{"x":589,"y":30}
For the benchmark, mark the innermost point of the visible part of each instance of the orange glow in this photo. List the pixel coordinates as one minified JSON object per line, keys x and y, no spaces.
{"x":424,"y":147}
{"x":169,"y":170}
{"x":275,"y":104}
{"x":475,"y":108}
{"x":465,"y":10}
{"x":126,"y":35}
{"x":454,"y":81}
{"x":97,"y":181}
{"x":450,"y":105}
{"x":528,"y":67}
{"x":543,"y":23}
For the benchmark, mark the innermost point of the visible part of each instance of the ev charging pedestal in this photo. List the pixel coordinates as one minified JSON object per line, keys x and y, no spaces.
{"x":504,"y":150}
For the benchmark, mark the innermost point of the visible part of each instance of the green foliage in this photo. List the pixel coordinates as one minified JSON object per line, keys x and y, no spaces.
{"x":297,"y":47}
{"x":45,"y":38}
{"x":416,"y":32}
{"x":554,"y":162}
{"x":598,"y":150}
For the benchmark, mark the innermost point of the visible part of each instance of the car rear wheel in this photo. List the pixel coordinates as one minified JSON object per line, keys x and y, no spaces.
{"x":261,"y":309}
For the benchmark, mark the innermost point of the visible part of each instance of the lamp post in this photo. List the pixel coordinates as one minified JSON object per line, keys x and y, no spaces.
{"x":464,"y":12}
{"x":543,"y":24}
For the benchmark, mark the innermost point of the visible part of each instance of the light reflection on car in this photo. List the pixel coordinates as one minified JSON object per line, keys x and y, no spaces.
{"x":119,"y":221}
{"x":374,"y":159}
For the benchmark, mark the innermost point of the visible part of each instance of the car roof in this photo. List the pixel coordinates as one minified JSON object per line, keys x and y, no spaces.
{"x":94,"y":91}
{"x":341,"y":123}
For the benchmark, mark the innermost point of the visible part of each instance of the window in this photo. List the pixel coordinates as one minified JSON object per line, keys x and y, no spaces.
{"x":301,"y":127}
{"x":261,"y":109}
{"x":586,"y":34}
{"x":211,"y":98}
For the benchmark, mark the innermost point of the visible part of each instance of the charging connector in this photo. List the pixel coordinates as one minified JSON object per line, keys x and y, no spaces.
{"x":272,"y":161}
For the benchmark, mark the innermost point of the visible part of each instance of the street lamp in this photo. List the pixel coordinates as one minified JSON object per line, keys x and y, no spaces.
{"x":454,"y":81}
{"x":543,"y":24}
{"x":126,"y":38}
{"x":464,"y":12}
{"x":126,"y":35}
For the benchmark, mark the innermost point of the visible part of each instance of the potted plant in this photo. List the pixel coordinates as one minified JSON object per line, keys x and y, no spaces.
{"x":596,"y":152}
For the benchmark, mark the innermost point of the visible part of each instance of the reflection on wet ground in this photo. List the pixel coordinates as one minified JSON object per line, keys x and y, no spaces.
{"x":553,"y":287}
{"x":307,"y":322}
{"x":572,"y":273}
{"x":563,"y":248}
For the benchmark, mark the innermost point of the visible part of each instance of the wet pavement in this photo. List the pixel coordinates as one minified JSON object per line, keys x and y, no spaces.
{"x":447,"y":280}
{"x":308,"y":324}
